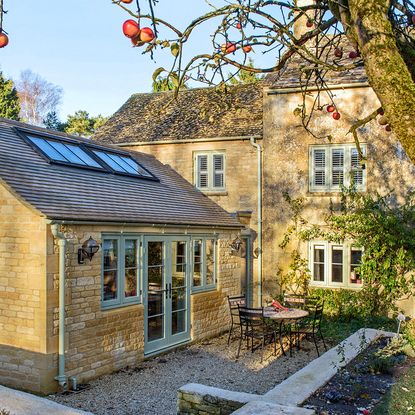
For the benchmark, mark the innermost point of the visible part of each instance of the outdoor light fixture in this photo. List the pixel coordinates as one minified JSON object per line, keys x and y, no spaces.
{"x":89,"y":248}
{"x":235,"y":245}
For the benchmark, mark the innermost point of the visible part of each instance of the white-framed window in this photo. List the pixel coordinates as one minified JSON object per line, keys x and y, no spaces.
{"x":209,"y":170}
{"x":120,"y":270}
{"x":334,"y":265}
{"x":333,"y":166}
{"x":204,"y":263}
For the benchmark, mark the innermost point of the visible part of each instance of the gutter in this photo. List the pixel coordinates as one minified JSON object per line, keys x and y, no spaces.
{"x":61,"y":378}
{"x":259,"y":197}
{"x":188,"y":140}
{"x":281,"y":91}
{"x":143,"y":224}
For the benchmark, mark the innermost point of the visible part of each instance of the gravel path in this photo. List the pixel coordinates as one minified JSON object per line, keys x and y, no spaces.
{"x":151,"y":387}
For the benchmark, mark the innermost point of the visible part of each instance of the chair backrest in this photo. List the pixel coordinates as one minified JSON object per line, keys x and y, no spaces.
{"x":294,"y":300}
{"x":317,"y":313}
{"x":251,"y":317}
{"x":234,"y":302}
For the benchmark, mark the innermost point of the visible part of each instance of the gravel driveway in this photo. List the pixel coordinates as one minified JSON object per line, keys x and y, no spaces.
{"x":151,"y":387}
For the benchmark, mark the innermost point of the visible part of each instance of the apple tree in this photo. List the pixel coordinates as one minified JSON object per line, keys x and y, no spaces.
{"x":380,"y":32}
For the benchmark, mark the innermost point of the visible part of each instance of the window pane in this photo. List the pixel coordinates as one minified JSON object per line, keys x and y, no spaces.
{"x":356,"y":167}
{"x":210,"y":262}
{"x":179,"y":264}
{"x":123,"y":165}
{"x":337,"y":162}
{"x":320,"y":158}
{"x":218,"y":182}
{"x":155,"y":253}
{"x":355,"y":260}
{"x":110,"y":285}
{"x":337,"y":264}
{"x":130,"y":288}
{"x":197,"y":258}
{"x":83,"y":156}
{"x":110,"y":253}
{"x":218,"y":162}
{"x":130,"y":253}
{"x":61,"y":148}
{"x":47,"y":148}
{"x":131,"y":272}
{"x":319,"y":167}
{"x":318,"y":263}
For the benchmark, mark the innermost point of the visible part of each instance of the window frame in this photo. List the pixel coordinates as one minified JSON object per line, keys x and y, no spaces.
{"x":121,"y":299}
{"x":203,"y":285}
{"x":348,"y":170}
{"x":328,"y":247}
{"x":210,"y":170}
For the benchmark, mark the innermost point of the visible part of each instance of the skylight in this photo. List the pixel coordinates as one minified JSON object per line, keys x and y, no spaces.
{"x":83,"y":154}
{"x":121,"y":163}
{"x":64,"y":152}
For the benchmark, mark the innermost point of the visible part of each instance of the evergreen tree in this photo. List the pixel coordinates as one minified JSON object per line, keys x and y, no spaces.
{"x":52,"y":122}
{"x":9,"y":100}
{"x":81,"y":123}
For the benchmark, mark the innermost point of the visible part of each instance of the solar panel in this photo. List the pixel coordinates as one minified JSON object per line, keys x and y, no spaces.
{"x":122,"y":163}
{"x":64,"y":152}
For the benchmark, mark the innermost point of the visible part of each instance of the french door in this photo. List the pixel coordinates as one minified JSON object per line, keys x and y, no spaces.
{"x":166,"y":291}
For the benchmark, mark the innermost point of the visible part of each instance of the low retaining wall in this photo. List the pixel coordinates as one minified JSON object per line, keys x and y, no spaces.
{"x":196,"y":399}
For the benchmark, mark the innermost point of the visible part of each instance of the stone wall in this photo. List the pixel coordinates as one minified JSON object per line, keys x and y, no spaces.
{"x":23,"y":362}
{"x":197,"y":399}
{"x":100,"y":341}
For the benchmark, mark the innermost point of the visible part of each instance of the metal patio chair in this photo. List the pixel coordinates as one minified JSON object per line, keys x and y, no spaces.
{"x":255,"y":329}
{"x":234,"y":301}
{"x":310,"y":326}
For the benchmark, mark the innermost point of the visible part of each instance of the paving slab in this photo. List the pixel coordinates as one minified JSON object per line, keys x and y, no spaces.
{"x":22,"y":403}
{"x":269,"y":408}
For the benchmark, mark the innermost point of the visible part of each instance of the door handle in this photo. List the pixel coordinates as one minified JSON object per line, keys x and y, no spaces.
{"x":170,"y":289}
{"x":167,"y":291}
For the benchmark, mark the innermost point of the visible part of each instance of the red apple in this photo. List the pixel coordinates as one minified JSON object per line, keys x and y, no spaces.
{"x":136,"y":41}
{"x":309,"y":23}
{"x":338,"y":52}
{"x":4,"y":40}
{"x":147,"y":34}
{"x":380,"y":111}
{"x":330,"y":108}
{"x":228,"y":47}
{"x":238,"y":25}
{"x":126,"y":1}
{"x":388,"y":128}
{"x":247,"y":48}
{"x":131,"y":28}
{"x":336,"y":115}
{"x":353,"y":54}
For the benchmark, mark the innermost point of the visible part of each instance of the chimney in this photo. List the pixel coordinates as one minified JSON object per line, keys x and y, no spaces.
{"x":300,"y":25}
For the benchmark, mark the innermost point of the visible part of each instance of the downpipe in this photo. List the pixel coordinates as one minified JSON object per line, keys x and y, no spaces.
{"x":61,"y":378}
{"x":259,"y":216}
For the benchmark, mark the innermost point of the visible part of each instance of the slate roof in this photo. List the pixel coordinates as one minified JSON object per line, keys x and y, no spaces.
{"x":292,"y":75}
{"x":196,"y":113}
{"x":69,"y":193}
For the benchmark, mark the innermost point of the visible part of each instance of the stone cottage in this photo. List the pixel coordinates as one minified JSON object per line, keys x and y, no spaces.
{"x":106,"y":256}
{"x":246,"y":148}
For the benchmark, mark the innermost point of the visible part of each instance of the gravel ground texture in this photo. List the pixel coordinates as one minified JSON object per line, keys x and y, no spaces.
{"x":151,"y":387}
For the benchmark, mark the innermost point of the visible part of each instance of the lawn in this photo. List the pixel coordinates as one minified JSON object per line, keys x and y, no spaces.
{"x":401,"y":397}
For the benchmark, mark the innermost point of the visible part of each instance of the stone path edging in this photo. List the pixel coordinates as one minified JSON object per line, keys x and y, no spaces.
{"x":22,"y":403}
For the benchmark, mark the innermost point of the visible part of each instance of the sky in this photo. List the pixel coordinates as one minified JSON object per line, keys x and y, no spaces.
{"x":79,"y":45}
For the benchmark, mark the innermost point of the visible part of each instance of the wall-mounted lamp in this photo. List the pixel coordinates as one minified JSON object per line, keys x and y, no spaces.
{"x":89,"y":248}
{"x":235,"y":245}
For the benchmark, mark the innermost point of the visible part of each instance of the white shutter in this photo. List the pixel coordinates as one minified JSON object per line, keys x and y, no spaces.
{"x":319,"y":167}
{"x":202,"y":171}
{"x":218,"y":170}
{"x":356,"y":168}
{"x":337,"y":166}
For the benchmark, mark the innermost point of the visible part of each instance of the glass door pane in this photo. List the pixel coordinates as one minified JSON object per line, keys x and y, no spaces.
{"x":156,"y":291}
{"x":178,"y":287}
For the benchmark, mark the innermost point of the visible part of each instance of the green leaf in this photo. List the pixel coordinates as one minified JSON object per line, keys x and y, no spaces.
{"x":157,"y":72}
{"x":174,"y":78}
{"x":175,"y":49}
